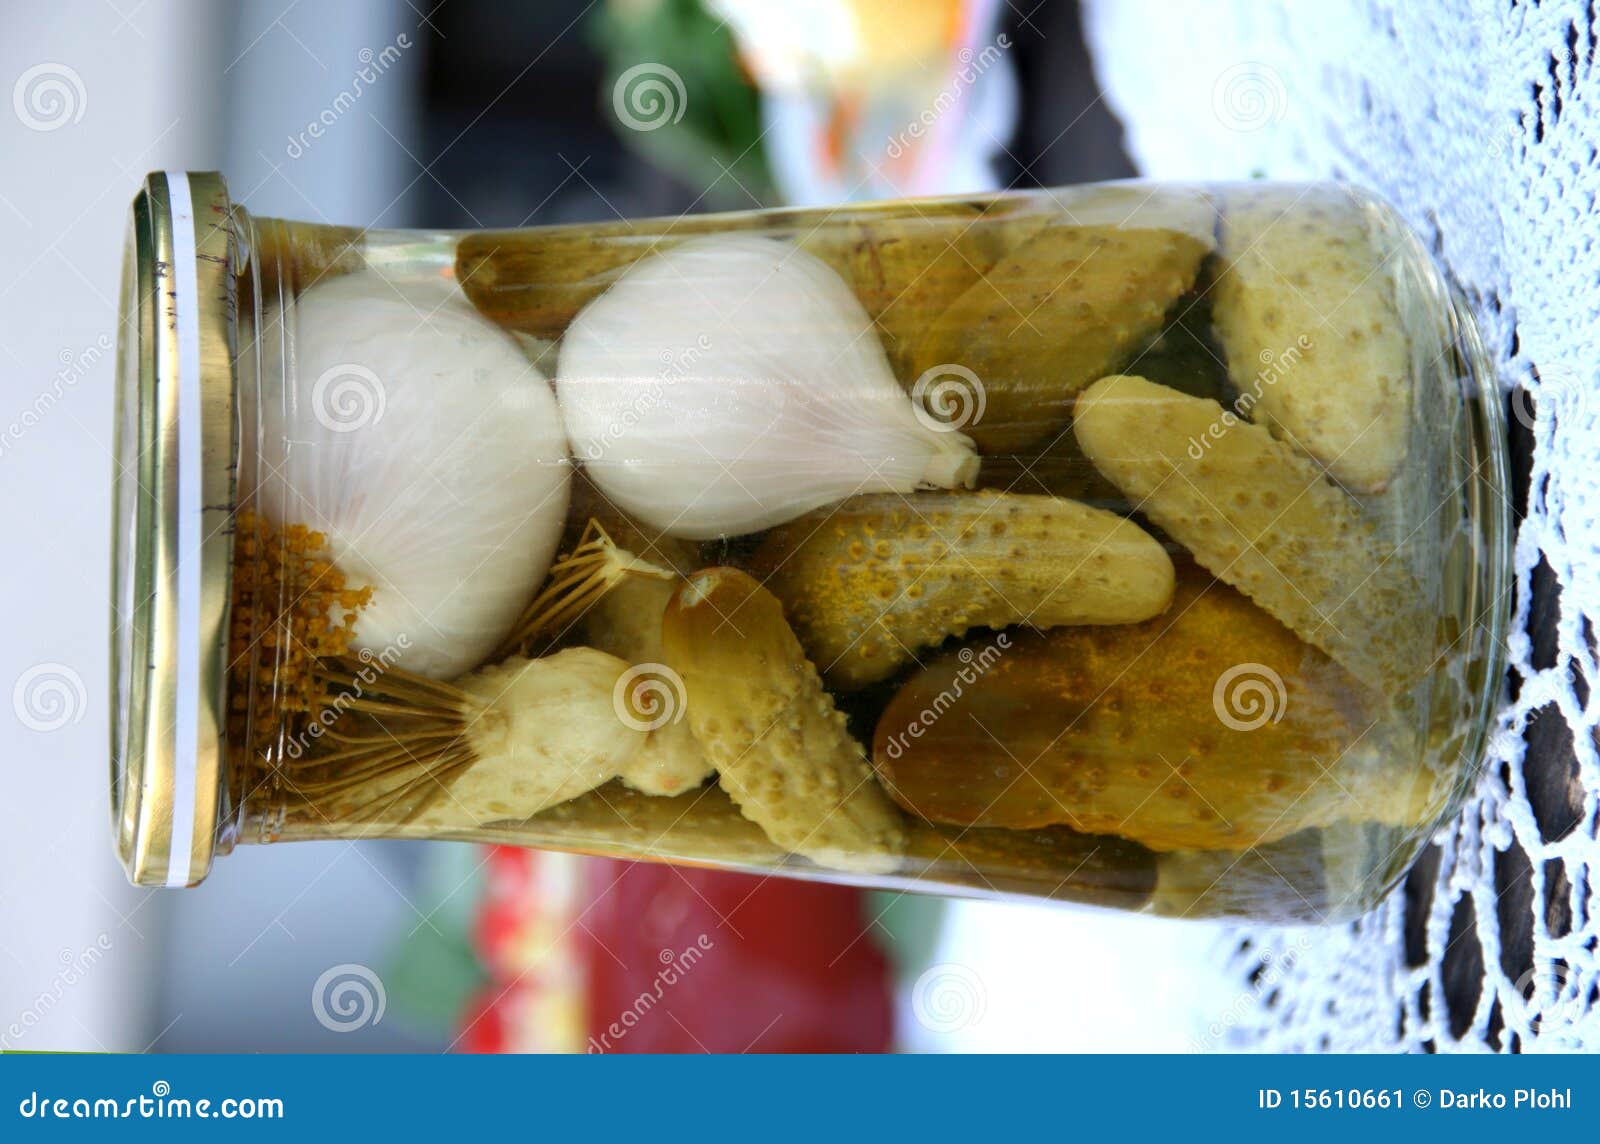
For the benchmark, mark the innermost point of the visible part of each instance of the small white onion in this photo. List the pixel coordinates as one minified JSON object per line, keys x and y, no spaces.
{"x":421,"y":440}
{"x":733,"y":383}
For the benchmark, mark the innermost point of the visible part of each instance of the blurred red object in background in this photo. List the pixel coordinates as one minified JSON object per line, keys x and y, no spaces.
{"x":602,"y":955}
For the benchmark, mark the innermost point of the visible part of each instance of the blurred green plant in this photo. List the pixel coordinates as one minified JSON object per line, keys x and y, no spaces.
{"x":677,"y":94}
{"x":433,"y":972}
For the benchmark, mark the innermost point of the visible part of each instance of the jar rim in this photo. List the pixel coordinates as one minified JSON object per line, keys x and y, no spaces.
{"x":172,"y":539}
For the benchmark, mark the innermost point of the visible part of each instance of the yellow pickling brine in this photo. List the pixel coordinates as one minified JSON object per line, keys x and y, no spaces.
{"x":1134,"y":545}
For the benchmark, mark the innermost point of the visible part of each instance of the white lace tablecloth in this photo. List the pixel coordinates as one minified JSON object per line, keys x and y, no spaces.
{"x":1477,"y":119}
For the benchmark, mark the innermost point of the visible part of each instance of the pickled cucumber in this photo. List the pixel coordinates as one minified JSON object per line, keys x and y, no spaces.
{"x":780,"y":747}
{"x":1210,"y":727}
{"x":1263,"y":517}
{"x":870,"y":581}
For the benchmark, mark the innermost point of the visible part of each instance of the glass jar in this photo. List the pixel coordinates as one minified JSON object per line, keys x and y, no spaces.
{"x":1138,"y":545}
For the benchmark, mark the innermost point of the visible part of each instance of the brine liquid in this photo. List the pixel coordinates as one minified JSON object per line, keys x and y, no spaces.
{"x":1275,"y":737}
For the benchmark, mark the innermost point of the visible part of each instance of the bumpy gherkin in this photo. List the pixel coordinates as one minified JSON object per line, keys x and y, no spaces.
{"x":1068,"y":303}
{"x":779,"y":745}
{"x":1264,"y":518}
{"x":1306,"y":312}
{"x":1209,"y":727}
{"x":870,"y":581}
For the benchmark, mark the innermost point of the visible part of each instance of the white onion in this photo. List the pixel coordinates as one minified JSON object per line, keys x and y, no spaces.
{"x":420,"y":439}
{"x":733,"y":383}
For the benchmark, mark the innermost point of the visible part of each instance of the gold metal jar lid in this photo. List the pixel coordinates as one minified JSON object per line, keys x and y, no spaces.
{"x":172,"y":533}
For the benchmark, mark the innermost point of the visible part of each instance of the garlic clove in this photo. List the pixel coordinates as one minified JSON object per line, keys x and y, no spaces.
{"x":734,"y":383}
{"x":626,"y":621}
{"x":418,"y":437}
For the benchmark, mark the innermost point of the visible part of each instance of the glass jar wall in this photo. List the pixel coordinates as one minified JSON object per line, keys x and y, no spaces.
{"x":1127,"y":544}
